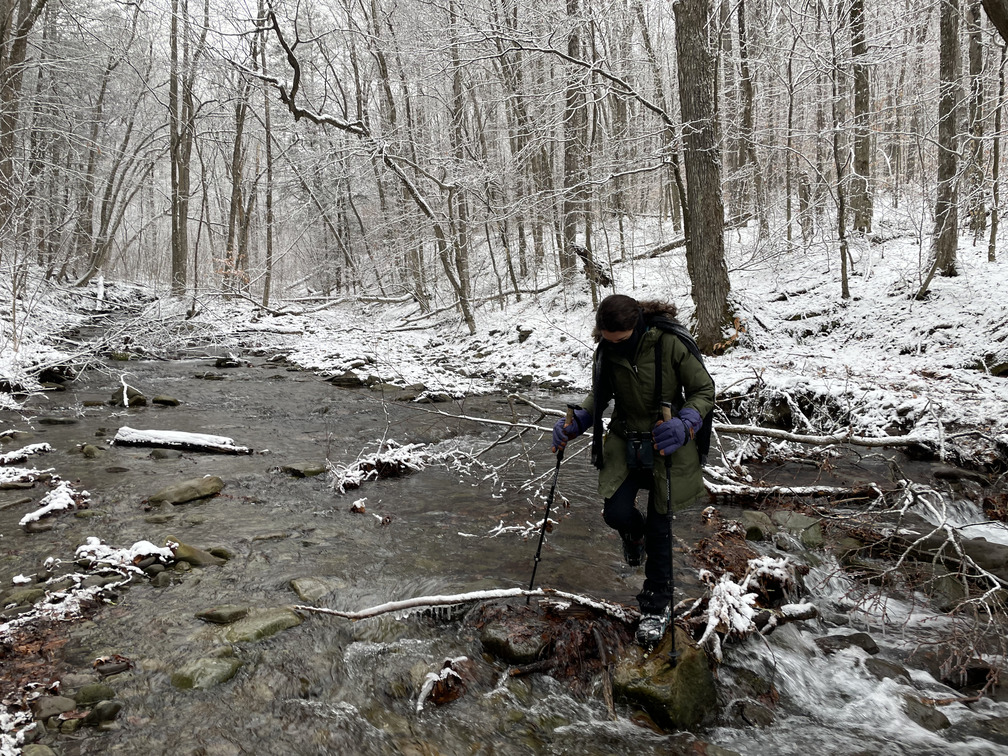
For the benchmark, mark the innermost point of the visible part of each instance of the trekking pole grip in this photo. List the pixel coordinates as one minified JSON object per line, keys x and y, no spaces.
{"x":666,"y":410}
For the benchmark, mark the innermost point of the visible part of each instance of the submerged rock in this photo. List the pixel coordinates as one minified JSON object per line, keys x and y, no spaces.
{"x":311,"y":589}
{"x":93,"y":693}
{"x":223,"y":615}
{"x":677,"y":698}
{"x":262,"y":624}
{"x":201,"y":674}
{"x":303,"y":469}
{"x":189,"y":490}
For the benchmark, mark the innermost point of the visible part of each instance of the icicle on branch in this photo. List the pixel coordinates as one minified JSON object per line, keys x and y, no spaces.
{"x":620,"y":612}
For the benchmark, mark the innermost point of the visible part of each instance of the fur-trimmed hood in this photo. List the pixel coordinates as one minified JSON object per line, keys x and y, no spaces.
{"x":649,"y":309}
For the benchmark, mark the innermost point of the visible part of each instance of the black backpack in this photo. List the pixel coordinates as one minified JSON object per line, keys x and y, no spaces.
{"x":667,"y":324}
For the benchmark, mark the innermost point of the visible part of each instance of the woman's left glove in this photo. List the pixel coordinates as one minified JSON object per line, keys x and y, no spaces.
{"x":563,"y":433}
{"x":672,"y":434}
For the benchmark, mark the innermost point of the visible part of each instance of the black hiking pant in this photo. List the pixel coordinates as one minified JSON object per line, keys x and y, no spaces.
{"x":620,"y":513}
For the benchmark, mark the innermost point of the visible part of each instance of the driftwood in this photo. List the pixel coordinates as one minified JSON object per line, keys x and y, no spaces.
{"x":178,"y":440}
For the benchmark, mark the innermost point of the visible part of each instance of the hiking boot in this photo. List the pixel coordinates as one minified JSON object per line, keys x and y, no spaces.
{"x":651,"y":628}
{"x":633,"y":550}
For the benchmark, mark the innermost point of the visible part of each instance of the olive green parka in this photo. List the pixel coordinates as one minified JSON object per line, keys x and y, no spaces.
{"x":685,"y":383}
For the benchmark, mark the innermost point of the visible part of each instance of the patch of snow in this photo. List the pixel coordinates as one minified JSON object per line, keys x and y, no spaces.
{"x":98,"y":553}
{"x":61,"y":498}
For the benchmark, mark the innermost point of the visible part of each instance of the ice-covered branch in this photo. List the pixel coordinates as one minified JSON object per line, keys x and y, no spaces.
{"x":618,"y":611}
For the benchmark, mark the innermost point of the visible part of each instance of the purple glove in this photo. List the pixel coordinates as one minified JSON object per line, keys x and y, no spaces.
{"x":563,"y":433}
{"x":672,"y":434}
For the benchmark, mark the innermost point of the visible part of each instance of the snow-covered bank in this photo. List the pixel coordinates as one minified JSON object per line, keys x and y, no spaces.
{"x":879,"y":363}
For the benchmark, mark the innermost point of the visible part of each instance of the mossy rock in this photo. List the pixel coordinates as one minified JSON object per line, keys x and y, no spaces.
{"x":261,"y":625}
{"x":677,"y":697}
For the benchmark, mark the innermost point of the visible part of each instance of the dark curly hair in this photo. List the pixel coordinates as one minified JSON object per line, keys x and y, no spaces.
{"x":618,"y":312}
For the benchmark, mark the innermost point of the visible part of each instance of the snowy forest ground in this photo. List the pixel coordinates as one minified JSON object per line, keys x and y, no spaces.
{"x":879,"y":363}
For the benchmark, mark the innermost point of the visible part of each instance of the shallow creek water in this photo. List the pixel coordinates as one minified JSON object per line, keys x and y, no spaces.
{"x":332,"y":686}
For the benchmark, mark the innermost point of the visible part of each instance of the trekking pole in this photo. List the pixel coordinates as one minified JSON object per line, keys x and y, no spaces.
{"x":667,"y":415}
{"x":549,"y":505}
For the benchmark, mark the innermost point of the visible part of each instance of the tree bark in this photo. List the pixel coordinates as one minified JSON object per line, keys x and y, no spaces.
{"x":861,"y":184}
{"x":946,"y":229}
{"x":996,"y":160}
{"x":974,"y":205}
{"x":705,"y":258}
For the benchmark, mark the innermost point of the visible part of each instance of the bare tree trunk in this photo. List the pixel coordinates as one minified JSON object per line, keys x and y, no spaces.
{"x":861,"y":184}
{"x":975,"y":205}
{"x":838,"y":163}
{"x":705,"y":241}
{"x":679,"y":213}
{"x":996,"y":160}
{"x":574,"y":152}
{"x":747,"y":128}
{"x":268,"y":138}
{"x":946,"y":230}
{"x":182,"y":130}
{"x":15,"y":25}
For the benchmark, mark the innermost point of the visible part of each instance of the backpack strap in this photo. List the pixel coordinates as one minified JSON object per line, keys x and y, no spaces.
{"x":603,"y":395}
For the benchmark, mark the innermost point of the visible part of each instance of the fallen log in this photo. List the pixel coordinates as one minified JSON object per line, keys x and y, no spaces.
{"x":127,"y":436}
{"x":843,"y":437}
{"x":620,"y":612}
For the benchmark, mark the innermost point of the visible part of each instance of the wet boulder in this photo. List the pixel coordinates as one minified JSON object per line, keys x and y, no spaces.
{"x":805,"y":528}
{"x":830,"y":644}
{"x":189,"y":490}
{"x":926,"y":716}
{"x":223,"y":615}
{"x":262,"y":624}
{"x":303,"y":469}
{"x":311,"y":589}
{"x":514,"y":642}
{"x":677,"y":697}
{"x":758,"y":525}
{"x":128,"y":397}
{"x":191,"y":555}
{"x":201,"y":674}
{"x":92,"y":693}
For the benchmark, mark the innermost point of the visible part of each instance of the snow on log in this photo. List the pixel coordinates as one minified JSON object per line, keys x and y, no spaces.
{"x":61,"y":498}
{"x":843,"y":437}
{"x":21,"y":477}
{"x":618,"y":611}
{"x":127,"y":436}
{"x":20,"y":455}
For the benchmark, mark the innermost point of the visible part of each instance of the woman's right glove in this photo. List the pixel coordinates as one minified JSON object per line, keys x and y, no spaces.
{"x":562,"y":433}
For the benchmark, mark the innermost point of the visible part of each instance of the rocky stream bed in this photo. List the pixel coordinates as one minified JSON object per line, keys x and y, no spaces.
{"x":163,"y":603}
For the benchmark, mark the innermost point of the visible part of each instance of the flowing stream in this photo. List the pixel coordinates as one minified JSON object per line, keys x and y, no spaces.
{"x":334,"y":686}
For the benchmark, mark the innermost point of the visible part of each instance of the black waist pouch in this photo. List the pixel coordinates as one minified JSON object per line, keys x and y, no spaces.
{"x":639,"y":450}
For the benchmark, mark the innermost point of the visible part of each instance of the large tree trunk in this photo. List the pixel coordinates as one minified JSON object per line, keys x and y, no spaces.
{"x":705,"y":242}
{"x":946,"y":230}
{"x":574,"y":152}
{"x":996,"y":161}
{"x":182,"y":129}
{"x":974,"y":204}
{"x":861,"y":187}
{"x":748,"y":158}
